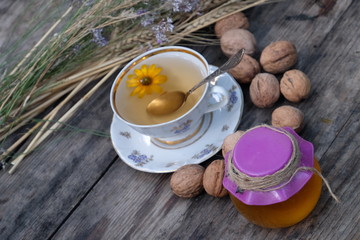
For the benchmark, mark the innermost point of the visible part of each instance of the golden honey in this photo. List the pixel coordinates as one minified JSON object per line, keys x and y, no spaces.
{"x":287,"y":213}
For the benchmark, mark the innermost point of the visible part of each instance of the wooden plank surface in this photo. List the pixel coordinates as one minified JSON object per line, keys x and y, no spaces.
{"x":75,"y":187}
{"x":23,"y":23}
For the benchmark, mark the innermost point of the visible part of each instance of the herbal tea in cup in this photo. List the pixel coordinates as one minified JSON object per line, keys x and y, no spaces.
{"x":162,"y":70}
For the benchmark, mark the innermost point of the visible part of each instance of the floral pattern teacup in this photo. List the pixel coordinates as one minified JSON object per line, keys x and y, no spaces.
{"x":148,"y":79}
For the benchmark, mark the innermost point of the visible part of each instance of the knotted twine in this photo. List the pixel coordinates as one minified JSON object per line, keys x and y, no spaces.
{"x":279,"y":178}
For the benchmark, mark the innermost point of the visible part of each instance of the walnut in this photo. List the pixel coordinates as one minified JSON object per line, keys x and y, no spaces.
{"x":288,"y":116}
{"x":213,"y":178}
{"x":230,"y":141}
{"x":187,"y":181}
{"x":295,"y":85}
{"x":235,"y":39}
{"x":264,"y":90}
{"x":234,"y":21}
{"x":278,"y":57}
{"x":246,"y":70}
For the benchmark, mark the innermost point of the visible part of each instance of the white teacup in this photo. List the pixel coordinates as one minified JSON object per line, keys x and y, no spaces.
{"x":181,"y":126}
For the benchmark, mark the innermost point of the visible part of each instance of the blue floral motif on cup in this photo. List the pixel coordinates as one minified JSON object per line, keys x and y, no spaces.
{"x":209,"y":148}
{"x":233,"y":98}
{"x":125,"y":134}
{"x":139,"y":159}
{"x":182,"y":127}
{"x":225,"y":128}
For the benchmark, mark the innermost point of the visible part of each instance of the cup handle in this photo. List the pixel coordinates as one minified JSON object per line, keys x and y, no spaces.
{"x":217,"y":98}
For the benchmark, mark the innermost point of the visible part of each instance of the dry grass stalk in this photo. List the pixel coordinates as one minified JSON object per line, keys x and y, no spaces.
{"x":35,"y":141}
{"x":24,"y":119}
{"x":42,"y":40}
{"x":47,"y":118}
{"x":42,"y":135}
{"x":50,"y":116}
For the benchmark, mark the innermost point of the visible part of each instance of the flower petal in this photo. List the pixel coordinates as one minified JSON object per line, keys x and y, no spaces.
{"x":139,"y":73}
{"x":132,"y":82}
{"x":130,"y":76}
{"x":142,"y":92}
{"x":156,"y":88}
{"x":136,"y":90}
{"x":154,"y":71}
{"x":152,"y":67}
{"x":159,"y":79}
{"x":144,"y":70}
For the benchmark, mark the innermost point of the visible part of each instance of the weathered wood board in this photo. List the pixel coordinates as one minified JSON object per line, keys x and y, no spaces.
{"x":75,"y":187}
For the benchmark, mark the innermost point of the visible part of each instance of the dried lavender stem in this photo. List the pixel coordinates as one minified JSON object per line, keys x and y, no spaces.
{"x":41,"y":40}
{"x":21,"y":121}
{"x":48,"y":117}
{"x":9,"y":95}
{"x":35,"y":141}
{"x":64,"y":118}
{"x":19,"y":141}
{"x":53,"y":113}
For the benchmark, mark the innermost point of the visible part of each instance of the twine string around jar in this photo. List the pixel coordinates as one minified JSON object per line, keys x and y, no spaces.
{"x":278,"y":179}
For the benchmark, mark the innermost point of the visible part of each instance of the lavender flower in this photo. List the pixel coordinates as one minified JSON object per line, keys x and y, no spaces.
{"x":147,"y":20}
{"x":161,"y":29}
{"x":76,"y":49}
{"x":141,"y":11}
{"x":184,"y":5}
{"x":98,"y":37}
{"x":146,"y":46}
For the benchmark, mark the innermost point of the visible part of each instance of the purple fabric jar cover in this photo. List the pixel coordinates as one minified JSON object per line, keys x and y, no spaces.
{"x":261,"y":152}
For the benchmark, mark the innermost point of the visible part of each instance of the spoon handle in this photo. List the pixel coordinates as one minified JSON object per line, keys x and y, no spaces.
{"x":232,"y":62}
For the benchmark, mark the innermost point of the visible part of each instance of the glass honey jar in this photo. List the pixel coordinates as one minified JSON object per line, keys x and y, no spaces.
{"x":270,"y":177}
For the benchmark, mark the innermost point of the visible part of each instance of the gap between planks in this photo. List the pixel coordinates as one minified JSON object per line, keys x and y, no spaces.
{"x":83,"y":198}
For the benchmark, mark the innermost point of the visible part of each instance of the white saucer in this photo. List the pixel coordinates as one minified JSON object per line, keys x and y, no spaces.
{"x":142,"y":153}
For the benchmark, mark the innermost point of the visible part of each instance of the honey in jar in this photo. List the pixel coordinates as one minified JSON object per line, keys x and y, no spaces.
{"x":269,"y":178}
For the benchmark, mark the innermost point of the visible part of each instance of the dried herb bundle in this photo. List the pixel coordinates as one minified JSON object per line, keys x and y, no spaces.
{"x":96,"y":37}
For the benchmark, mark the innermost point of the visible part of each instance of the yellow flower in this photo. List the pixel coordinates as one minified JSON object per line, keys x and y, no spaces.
{"x":146,"y":80}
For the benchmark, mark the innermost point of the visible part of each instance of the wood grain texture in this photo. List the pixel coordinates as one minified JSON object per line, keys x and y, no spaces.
{"x":55,"y":177}
{"x":23,"y":23}
{"x":76,"y":188}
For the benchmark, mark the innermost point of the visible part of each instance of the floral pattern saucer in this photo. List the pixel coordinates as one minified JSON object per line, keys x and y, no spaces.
{"x":144,"y":154}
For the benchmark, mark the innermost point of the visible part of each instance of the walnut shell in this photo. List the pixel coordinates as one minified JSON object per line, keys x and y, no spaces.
{"x":246,"y":70}
{"x":278,"y":57}
{"x":230,"y":141}
{"x":264,"y":90}
{"x":235,"y":39}
{"x":213,"y":178}
{"x":288,"y":116}
{"x":187,"y":181}
{"x":234,"y":21}
{"x":295,"y":85}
